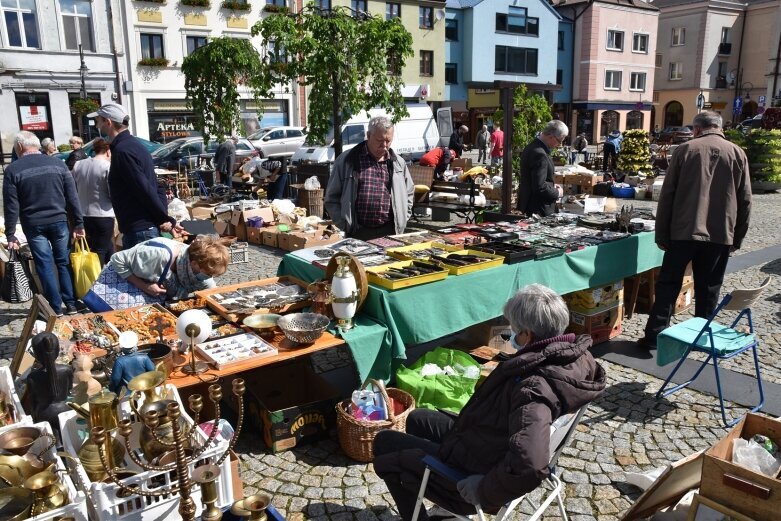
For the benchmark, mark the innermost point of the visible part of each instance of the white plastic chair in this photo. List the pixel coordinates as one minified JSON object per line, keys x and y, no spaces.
{"x":561,"y":432}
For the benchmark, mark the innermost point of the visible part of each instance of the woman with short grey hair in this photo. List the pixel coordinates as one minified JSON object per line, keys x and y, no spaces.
{"x":536,"y":313}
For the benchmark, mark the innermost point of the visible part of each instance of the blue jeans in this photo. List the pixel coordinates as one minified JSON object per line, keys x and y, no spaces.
{"x":276,"y":189}
{"x":130,"y":239}
{"x":49,"y":246}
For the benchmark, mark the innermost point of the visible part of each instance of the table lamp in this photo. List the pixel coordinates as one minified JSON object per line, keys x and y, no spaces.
{"x":344,"y":294}
{"x":194,"y":326}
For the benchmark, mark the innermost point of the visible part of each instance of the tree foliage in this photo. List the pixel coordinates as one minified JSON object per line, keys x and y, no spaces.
{"x":342,"y":56}
{"x":532,"y":112}
{"x":635,"y":153}
{"x":213,"y":75}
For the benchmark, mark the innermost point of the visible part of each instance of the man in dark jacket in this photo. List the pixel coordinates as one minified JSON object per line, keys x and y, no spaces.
{"x":78,"y":153}
{"x":457,"y":140}
{"x":538,"y":192}
{"x":370,"y":191}
{"x":501,"y":437}
{"x":225,"y":160}
{"x":39,"y":192}
{"x":140,"y":202}
{"x":703,"y":215}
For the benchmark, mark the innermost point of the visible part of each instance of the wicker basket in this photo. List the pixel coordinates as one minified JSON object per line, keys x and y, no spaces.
{"x":312,"y":200}
{"x":357,"y":436}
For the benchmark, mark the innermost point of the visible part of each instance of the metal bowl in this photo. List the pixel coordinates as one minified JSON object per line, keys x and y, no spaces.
{"x":19,"y":440}
{"x":303,"y":328}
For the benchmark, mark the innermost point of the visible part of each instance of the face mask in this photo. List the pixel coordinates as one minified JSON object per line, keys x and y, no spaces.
{"x":514,"y":344}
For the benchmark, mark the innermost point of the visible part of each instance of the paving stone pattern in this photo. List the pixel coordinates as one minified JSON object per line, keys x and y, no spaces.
{"x":625,"y":430}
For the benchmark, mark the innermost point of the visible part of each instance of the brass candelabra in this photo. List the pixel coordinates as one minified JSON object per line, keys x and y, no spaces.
{"x":205,"y":475}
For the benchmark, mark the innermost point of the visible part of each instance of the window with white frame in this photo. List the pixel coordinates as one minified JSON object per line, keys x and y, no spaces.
{"x":152,"y":46}
{"x":640,"y":43}
{"x":392,"y":10}
{"x":679,"y":36}
{"x":426,"y":17}
{"x":676,"y":71}
{"x":613,"y":80}
{"x":194,"y":42}
{"x":20,"y":23}
{"x":637,"y":81}
{"x":615,"y":40}
{"x":77,"y":24}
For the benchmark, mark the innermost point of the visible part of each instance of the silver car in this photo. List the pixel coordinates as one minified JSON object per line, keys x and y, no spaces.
{"x":277,"y":141}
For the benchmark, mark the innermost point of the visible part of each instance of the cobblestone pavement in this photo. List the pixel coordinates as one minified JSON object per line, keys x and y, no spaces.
{"x":625,"y":430}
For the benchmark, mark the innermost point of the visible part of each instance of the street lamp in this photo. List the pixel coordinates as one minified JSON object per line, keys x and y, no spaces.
{"x":748,"y":91}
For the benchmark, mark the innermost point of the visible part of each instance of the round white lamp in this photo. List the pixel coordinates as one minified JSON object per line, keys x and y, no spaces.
{"x":344,"y":294}
{"x":194,"y":326}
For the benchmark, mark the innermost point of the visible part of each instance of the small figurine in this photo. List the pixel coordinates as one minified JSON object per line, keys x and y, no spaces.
{"x":48,"y":386}
{"x":130,"y":363}
{"x":624,"y":219}
{"x":84,"y":384}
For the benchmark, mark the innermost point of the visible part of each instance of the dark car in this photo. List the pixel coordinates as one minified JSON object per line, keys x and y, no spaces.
{"x":676,"y":134}
{"x":189,"y":153}
{"x":747,"y":125}
{"x":90,"y":150}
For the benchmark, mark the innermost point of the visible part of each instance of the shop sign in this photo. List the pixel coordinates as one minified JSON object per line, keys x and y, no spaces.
{"x":34,"y":117}
{"x":268,"y":106}
{"x":169,"y":106}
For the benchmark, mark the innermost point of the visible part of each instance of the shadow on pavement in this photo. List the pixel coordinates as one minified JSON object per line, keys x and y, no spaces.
{"x":629,"y":401}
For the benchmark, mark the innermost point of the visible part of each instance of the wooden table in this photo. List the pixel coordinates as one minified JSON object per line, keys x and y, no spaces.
{"x":287,"y":351}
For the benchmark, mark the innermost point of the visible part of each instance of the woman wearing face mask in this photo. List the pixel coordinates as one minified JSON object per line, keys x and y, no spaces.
{"x":165,"y":269}
{"x":501,"y":437}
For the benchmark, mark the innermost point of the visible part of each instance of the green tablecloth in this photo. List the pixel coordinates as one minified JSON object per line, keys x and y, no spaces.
{"x":370,"y":345}
{"x":430,"y":311}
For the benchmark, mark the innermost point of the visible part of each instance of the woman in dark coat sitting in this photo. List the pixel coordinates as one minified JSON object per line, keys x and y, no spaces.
{"x":501,"y":437}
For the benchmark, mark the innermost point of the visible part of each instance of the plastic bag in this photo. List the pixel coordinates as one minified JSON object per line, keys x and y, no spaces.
{"x":439,"y":391}
{"x":754,"y":456}
{"x":86,"y":267}
{"x":312,"y":183}
{"x":178,"y":210}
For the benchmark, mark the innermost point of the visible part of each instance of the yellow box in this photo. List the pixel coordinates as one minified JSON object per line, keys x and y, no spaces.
{"x":402,"y":252}
{"x":372,"y":274}
{"x":496,"y":260}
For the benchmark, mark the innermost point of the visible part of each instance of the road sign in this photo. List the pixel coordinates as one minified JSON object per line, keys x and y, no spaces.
{"x":737,"y":105}
{"x":761,"y":100}
{"x":707,"y":105}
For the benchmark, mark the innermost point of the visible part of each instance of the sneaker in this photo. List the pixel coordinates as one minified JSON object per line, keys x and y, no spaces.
{"x":647,"y":343}
{"x":70,"y":309}
{"x":81,"y":307}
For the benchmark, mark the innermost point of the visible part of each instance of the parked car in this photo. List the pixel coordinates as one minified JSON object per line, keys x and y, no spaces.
{"x":676,"y":134}
{"x":277,"y":141}
{"x":747,"y":125}
{"x":189,"y":153}
{"x":90,"y":150}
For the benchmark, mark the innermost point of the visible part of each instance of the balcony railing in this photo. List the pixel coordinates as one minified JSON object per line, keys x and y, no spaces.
{"x":725,"y":48}
{"x":721,"y":82}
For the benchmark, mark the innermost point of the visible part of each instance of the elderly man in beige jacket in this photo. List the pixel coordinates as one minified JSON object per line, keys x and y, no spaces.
{"x":702,"y":217}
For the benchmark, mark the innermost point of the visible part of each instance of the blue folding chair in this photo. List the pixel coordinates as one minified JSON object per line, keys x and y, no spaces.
{"x":561,"y":432}
{"x":718,"y":341}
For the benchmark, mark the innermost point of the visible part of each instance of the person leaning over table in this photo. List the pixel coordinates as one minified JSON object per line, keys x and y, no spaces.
{"x":538,"y":191}
{"x":370,"y":191}
{"x":191,"y":268}
{"x":501,"y":437}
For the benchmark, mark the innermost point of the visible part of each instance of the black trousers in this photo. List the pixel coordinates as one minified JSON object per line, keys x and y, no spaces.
{"x":398,"y":461}
{"x":709,"y":261}
{"x":100,"y":236}
{"x":609,"y":157}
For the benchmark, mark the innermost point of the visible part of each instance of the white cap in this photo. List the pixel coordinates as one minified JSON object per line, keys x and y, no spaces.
{"x":111,"y":111}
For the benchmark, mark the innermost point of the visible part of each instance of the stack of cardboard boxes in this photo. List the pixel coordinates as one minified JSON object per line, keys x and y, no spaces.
{"x":574,"y":184}
{"x":597,"y":311}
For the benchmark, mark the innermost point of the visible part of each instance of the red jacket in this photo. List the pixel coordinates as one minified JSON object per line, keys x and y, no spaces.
{"x":437,"y":157}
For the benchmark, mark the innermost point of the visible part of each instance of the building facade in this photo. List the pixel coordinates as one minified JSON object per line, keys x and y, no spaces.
{"x":40,"y":64}
{"x":613,"y":72}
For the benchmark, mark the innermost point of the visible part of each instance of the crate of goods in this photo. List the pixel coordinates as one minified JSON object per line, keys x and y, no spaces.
{"x":749,"y":492}
{"x":106,"y":500}
{"x":280,"y":294}
{"x":601,"y":325}
{"x":404,"y":274}
{"x":239,"y":252}
{"x":11,"y":411}
{"x":596,"y":299}
{"x":312,"y":200}
{"x":76,"y":506}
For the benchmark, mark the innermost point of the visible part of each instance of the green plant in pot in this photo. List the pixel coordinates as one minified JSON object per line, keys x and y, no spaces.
{"x":764,"y":157}
{"x":558,"y":156}
{"x":635,"y":155}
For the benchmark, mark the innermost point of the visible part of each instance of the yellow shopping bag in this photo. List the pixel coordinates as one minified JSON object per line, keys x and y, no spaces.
{"x":85,"y":265}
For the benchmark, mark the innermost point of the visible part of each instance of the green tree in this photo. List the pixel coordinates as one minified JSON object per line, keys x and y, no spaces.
{"x":635,"y":153}
{"x":343,"y":57}
{"x":212,"y":77}
{"x":532,"y":112}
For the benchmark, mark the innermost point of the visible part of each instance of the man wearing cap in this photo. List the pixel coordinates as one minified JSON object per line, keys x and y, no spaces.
{"x":225,"y":160}
{"x":39,"y":192}
{"x":140,"y":203}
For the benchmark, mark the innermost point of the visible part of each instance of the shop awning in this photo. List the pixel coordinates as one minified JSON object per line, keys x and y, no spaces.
{"x":612,"y":106}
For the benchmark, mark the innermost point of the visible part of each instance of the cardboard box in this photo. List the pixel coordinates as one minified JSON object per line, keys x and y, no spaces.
{"x":750,"y":493}
{"x":644,"y":294}
{"x":224,"y":229}
{"x":465,"y":163}
{"x":602,"y":325}
{"x":592,"y":300}
{"x":239,"y":220}
{"x":490,"y":333}
{"x":685,"y":298}
{"x":202,"y":212}
{"x":237,"y":483}
{"x":288,"y":414}
{"x":298,"y":240}
{"x":254,"y":235}
{"x":269,"y":236}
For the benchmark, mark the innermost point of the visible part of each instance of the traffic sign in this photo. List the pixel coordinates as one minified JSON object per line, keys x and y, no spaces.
{"x":761,"y":100}
{"x":737,"y":105}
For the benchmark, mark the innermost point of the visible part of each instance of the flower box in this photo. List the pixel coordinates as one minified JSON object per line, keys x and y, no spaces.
{"x":196,"y":3}
{"x":154,"y":62}
{"x":236,"y":5}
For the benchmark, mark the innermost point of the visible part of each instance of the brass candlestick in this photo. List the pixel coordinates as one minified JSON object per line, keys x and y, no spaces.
{"x":181,"y":439}
{"x":206,"y":476}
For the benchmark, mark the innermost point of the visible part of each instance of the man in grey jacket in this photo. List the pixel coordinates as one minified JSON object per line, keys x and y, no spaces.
{"x":702,"y":217}
{"x":370,"y":191}
{"x":225,"y":160}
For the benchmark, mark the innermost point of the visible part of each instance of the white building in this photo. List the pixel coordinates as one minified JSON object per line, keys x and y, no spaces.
{"x":39,"y":64}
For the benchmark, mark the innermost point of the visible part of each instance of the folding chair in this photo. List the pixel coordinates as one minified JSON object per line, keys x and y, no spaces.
{"x":718,"y":341}
{"x":560,"y":434}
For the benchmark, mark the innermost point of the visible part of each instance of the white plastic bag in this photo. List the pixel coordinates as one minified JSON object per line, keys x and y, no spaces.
{"x":178,"y":210}
{"x":312,"y":183}
{"x":754,"y":456}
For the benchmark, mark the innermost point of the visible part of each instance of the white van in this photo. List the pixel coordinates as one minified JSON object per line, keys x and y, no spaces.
{"x":413,"y":136}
